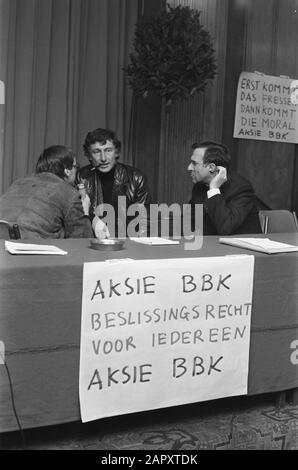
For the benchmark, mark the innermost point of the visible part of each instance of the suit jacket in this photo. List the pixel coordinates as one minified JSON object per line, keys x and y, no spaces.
{"x":234,"y":211}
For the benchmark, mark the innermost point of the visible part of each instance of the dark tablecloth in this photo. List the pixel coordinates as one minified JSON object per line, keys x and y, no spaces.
{"x":40,"y":313}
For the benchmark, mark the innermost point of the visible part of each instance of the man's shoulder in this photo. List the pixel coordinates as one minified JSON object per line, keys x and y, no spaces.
{"x":235,"y":180}
{"x":39,"y":179}
{"x":130,"y":170}
{"x":56,"y":187}
{"x":43,"y":186}
{"x":55,"y":180}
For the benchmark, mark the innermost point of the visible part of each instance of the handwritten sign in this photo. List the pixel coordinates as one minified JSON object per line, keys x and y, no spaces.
{"x":159,"y":333}
{"x":265,"y":108}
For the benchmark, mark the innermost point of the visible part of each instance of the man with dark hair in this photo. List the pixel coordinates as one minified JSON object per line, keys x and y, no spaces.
{"x":46,"y":204}
{"x":106,"y":179}
{"x":228,"y":199}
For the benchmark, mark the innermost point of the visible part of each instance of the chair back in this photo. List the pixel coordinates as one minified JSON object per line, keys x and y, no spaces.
{"x":8,"y":230}
{"x":278,"y":221}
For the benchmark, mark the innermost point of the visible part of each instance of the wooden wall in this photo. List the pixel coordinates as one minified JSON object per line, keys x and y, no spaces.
{"x":271,"y":47}
{"x":248,"y":35}
{"x":146,"y":129}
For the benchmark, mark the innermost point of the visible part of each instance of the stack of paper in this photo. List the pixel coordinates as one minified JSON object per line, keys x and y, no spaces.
{"x":154,"y":241}
{"x":264,"y":245}
{"x":29,"y":249}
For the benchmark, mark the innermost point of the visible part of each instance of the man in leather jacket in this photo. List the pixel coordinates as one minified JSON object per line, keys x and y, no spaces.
{"x":105,"y":180}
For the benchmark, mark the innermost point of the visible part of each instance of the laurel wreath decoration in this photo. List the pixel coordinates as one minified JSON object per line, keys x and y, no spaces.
{"x":172,"y":55}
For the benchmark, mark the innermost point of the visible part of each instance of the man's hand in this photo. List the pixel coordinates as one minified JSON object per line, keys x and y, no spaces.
{"x":100,"y":229}
{"x":86,"y":204}
{"x":219,"y":179}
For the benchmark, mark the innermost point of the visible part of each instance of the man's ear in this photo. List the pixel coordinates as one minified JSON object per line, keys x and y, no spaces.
{"x":212,"y":167}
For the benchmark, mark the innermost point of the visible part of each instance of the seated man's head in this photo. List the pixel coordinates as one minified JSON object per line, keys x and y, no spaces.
{"x":102,"y":148}
{"x":59,"y":160}
{"x":205,"y":159}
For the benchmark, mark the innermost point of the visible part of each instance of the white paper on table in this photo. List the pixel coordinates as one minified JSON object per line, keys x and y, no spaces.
{"x":154,"y":241}
{"x":260,"y":244}
{"x":16,"y":248}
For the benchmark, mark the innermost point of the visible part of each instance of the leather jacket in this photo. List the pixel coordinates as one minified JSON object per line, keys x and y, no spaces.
{"x":128,"y":182}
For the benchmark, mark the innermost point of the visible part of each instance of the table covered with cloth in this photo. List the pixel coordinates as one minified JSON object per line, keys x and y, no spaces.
{"x":40,"y":316}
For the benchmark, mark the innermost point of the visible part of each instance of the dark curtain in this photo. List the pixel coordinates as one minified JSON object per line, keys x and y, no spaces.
{"x":62,"y":64}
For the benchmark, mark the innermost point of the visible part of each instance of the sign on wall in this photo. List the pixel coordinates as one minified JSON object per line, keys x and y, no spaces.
{"x":159,"y":333}
{"x":266,"y":108}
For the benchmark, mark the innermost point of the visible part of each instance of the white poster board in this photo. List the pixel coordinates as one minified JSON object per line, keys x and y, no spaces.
{"x":159,"y":333}
{"x":266,"y":108}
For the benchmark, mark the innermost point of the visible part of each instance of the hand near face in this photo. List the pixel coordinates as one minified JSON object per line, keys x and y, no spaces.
{"x":219,"y":179}
{"x":100,"y":229}
{"x":86,"y":203}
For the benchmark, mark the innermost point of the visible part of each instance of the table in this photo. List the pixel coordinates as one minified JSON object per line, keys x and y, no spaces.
{"x":40,"y":312}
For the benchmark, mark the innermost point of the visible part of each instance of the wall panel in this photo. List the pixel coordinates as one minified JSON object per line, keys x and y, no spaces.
{"x":272,"y":48}
{"x":198,"y":118}
{"x":248,"y":35}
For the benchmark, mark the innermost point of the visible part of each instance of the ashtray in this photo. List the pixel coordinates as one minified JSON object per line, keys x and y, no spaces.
{"x":108,"y":244}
